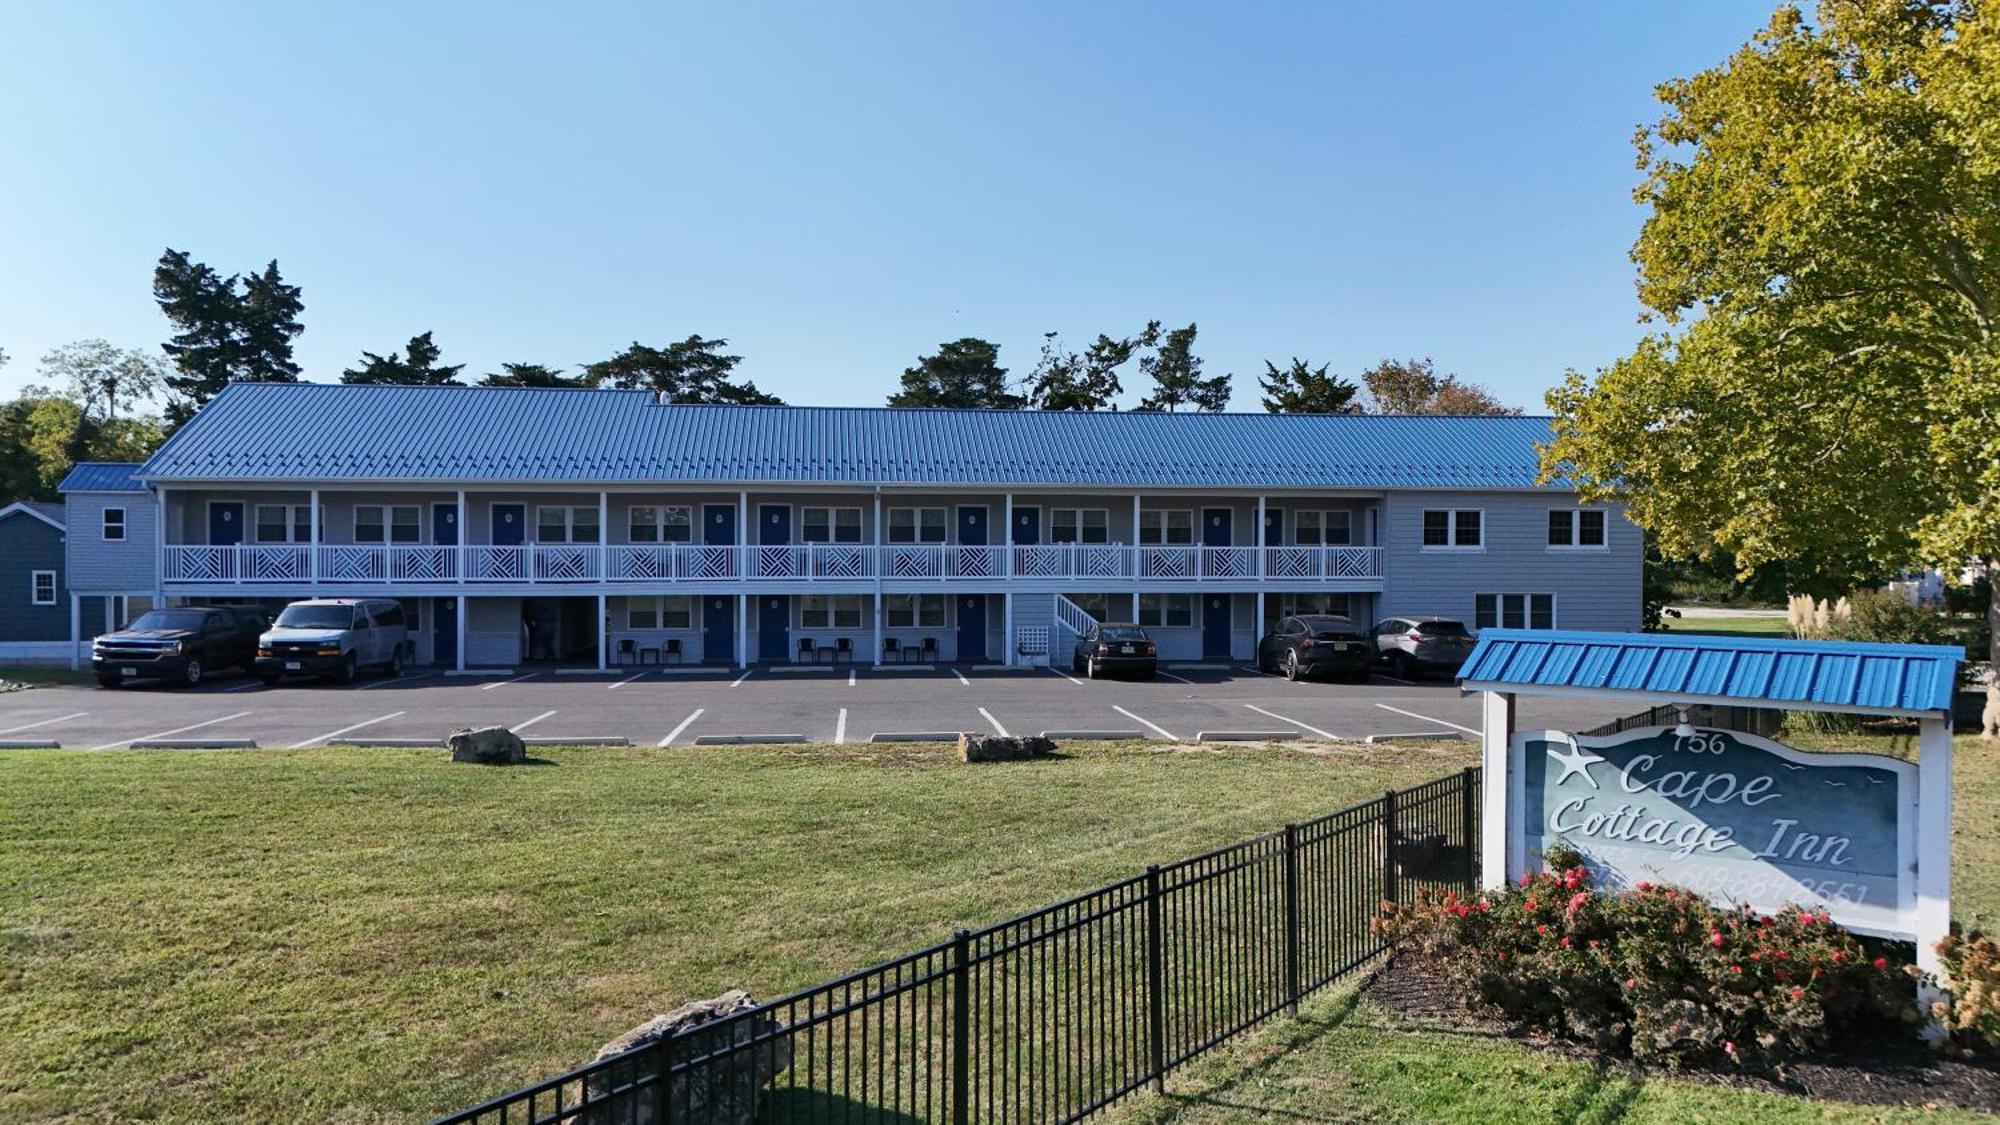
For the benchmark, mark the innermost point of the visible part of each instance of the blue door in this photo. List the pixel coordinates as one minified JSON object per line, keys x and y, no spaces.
{"x":225,"y":523}
{"x":1215,"y":527}
{"x":774,"y":524}
{"x":718,"y":525}
{"x":444,"y":524}
{"x":1274,"y":527}
{"x":444,"y":631}
{"x":1027,"y":526}
{"x":510,"y":525}
{"x":1215,"y":628}
{"x":972,"y":525}
{"x":774,"y":626}
{"x":718,"y":623}
{"x":972,"y":626}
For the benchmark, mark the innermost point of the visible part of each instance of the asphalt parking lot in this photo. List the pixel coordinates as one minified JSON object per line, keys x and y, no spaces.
{"x":707,"y":706}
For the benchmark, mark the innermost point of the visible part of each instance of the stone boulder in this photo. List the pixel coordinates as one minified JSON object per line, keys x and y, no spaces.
{"x":728,"y":1088}
{"x":488,"y":746}
{"x":990,"y":748}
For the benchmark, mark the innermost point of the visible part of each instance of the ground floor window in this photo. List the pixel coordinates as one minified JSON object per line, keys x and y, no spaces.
{"x":1099,"y":605}
{"x":1166,"y":611}
{"x":913,"y":611}
{"x":837,"y":611}
{"x":665,"y":611}
{"x":42,"y":587}
{"x":1514,"y":611}
{"x":1335,"y":605}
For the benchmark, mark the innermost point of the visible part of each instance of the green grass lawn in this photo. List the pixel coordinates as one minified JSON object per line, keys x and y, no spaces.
{"x":377,"y":934}
{"x":14,"y":676}
{"x":1720,"y":625}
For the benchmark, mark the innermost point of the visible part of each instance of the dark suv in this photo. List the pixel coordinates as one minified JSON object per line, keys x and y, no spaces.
{"x":183,"y":644}
{"x":1310,"y":645}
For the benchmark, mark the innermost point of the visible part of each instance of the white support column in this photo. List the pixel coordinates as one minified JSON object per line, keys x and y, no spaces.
{"x":743,"y":561}
{"x":878,"y":576}
{"x":1497,"y":710}
{"x":313,"y":535}
{"x":1262,"y":539}
{"x":1933,"y":857}
{"x":159,"y":549}
{"x":1007,"y":623}
{"x":463,"y":608}
{"x":1259,"y":630}
{"x":464,"y":540}
{"x":75,"y":629}
{"x":743,"y":630}
{"x":1135,"y":607}
{"x":603,"y":573}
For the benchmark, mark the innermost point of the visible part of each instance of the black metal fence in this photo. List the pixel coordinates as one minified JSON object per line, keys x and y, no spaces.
{"x":1056,"y":1014}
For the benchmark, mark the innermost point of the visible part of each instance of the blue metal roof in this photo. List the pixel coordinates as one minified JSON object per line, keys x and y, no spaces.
{"x":1770,"y":672}
{"x":103,"y":476}
{"x":306,"y":431}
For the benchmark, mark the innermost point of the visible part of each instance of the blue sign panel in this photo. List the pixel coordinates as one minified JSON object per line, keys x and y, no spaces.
{"x":1734,"y":817}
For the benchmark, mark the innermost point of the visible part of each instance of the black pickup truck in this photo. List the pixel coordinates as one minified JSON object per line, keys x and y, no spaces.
{"x":182,"y":644}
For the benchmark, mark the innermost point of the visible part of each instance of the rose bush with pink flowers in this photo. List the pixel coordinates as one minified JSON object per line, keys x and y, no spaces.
{"x":1657,"y":970}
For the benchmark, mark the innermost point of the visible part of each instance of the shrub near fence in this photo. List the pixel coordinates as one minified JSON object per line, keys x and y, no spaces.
{"x":1056,"y":1014}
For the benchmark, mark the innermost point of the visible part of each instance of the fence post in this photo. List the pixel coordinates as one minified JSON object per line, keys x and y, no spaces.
{"x":1292,"y":919}
{"x":663,"y":1090}
{"x":961,"y":1026}
{"x":1389,"y":845}
{"x":1468,"y":802}
{"x":1156,"y":1001}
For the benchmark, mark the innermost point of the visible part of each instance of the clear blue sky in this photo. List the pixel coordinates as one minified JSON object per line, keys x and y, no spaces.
{"x":837,"y":188}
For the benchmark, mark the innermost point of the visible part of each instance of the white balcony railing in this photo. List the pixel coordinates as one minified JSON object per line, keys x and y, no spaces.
{"x":557,"y":563}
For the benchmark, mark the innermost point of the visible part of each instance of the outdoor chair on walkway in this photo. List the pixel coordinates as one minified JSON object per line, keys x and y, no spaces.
{"x":843,"y":649}
{"x":806,"y":655}
{"x":929,"y":655}
{"x":628,"y":651}
{"x":673,"y":649}
{"x":892,"y":651}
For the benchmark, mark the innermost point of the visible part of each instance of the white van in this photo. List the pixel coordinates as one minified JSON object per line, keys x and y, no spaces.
{"x":334,"y":636}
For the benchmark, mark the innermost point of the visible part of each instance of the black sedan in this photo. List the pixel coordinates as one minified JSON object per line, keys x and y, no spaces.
{"x":1312,"y":646}
{"x":1115,"y":647}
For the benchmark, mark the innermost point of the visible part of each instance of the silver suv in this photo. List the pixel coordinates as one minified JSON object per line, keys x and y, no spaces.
{"x":334,"y":636}
{"x":1422,"y":644}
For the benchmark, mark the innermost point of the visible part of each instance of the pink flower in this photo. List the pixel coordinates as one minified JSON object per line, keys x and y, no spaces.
{"x":1644,"y":887}
{"x":1542,"y":929}
{"x":1880,"y":962}
{"x":1530,"y":904}
{"x":1715,"y":939}
{"x":1578,"y":899}
{"x":1729,"y":1047}
{"x":1527,"y":880}
{"x":1565,"y":943}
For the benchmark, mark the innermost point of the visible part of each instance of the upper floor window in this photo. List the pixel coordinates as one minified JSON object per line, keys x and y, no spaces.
{"x":284,"y":523}
{"x":1576,"y":527}
{"x":1452,"y":527}
{"x":42,"y":587}
{"x":830,"y":525}
{"x":671,"y":524}
{"x":1514,"y":611}
{"x":1166,"y":525}
{"x":114,"y":523}
{"x":394,"y":523}
{"x":916,"y":525}
{"x":1324,"y":529}
{"x":1079,"y":525}
{"x":555,"y":524}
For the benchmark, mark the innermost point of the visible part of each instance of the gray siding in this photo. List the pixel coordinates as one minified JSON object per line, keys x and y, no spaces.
{"x":28,"y":545}
{"x":118,"y":566}
{"x":1594,"y":589}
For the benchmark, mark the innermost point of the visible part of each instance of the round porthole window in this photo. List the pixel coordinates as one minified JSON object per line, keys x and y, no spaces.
{"x":774,"y":517}
{"x":774,"y":603}
{"x":451,"y":517}
{"x":1215,"y":521}
{"x":508,"y":518}
{"x":227,"y":515}
{"x":718,"y":517}
{"x":972,"y":517}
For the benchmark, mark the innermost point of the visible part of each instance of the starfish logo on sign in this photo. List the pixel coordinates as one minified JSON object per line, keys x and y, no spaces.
{"x":1576,"y":761}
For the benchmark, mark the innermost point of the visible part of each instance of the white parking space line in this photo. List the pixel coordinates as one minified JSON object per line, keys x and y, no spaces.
{"x":685,"y":724}
{"x":850,"y":677}
{"x":840,"y":728}
{"x":331,"y":735}
{"x":1251,"y":670}
{"x":1426,"y":718}
{"x":1302,"y":726}
{"x":1065,"y":675}
{"x":46,"y":722}
{"x":626,"y":680}
{"x":519,"y":727}
{"x":504,"y":683}
{"x":245,"y":685}
{"x":175,"y":731}
{"x":1171,"y":676}
{"x":961,"y":677}
{"x":387,"y":680}
{"x":1393,"y":679}
{"x":997,"y":728}
{"x":744,"y":676}
{"x":1156,"y":728}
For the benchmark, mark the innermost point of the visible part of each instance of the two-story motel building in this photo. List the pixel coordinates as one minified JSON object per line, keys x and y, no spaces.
{"x":603,"y":527}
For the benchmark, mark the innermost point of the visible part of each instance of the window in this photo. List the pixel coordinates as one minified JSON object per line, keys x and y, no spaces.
{"x":42,"y":587}
{"x":1576,"y":527}
{"x":385,"y":616}
{"x":664,"y":611}
{"x":565,"y":525}
{"x":916,"y":525}
{"x":1079,"y":525}
{"x":114,"y":523}
{"x":838,"y":611}
{"x":284,"y":523}
{"x":1332,"y":605}
{"x":914,"y":611}
{"x":1168,"y":526}
{"x":1451,"y":527}
{"x":830,"y":525}
{"x":1324,"y":529}
{"x":1167,"y":611}
{"x":649,"y":524}
{"x":376,"y":523}
{"x":1099,"y":605}
{"x":1514,"y":611}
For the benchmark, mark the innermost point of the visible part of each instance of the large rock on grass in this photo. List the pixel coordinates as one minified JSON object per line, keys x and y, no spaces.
{"x":989,"y":748}
{"x":488,"y":746}
{"x":727,"y":1088}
